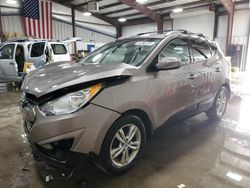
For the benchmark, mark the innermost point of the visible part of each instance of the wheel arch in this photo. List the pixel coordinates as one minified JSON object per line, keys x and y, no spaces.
{"x":227,"y":86}
{"x":145,"y":119}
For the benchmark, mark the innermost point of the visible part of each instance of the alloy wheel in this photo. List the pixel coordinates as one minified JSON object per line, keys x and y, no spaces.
{"x":221,"y":103}
{"x":125,"y":145}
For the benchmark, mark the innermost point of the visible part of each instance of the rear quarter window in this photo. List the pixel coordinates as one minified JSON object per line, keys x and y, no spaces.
{"x":59,"y":49}
{"x":200,"y":50}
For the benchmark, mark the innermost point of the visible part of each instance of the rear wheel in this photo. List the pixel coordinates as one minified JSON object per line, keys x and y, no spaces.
{"x":220,"y":104}
{"x":123,"y":145}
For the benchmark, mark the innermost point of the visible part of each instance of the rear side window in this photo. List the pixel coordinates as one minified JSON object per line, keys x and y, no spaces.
{"x":37,"y":49}
{"x":7,"y":51}
{"x":200,"y":51}
{"x":177,"y":48}
{"x":58,"y":49}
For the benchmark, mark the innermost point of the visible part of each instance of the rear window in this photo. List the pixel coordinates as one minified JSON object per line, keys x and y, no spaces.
{"x":37,"y":49}
{"x":58,"y":49}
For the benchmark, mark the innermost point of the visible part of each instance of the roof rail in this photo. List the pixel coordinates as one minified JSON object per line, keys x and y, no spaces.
{"x":177,"y":30}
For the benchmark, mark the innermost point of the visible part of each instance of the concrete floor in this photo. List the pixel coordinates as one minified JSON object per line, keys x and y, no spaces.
{"x":196,"y":153}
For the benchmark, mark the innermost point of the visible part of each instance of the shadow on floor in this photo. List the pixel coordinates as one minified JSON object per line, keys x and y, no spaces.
{"x":169,"y":143}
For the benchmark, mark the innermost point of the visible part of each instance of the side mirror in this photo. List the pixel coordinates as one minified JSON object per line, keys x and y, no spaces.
{"x":167,"y":63}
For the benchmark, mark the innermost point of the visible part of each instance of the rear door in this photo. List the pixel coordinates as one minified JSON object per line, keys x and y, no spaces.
{"x":37,"y":54}
{"x":8,"y":66}
{"x":59,"y":52}
{"x":203,"y":63}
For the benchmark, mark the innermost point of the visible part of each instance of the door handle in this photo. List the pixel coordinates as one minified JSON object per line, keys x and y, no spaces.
{"x":11,"y":63}
{"x":192,"y":76}
{"x":217,"y":69}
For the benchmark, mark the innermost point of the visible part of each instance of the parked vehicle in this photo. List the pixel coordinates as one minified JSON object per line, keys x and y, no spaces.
{"x":109,"y":104}
{"x":19,"y":57}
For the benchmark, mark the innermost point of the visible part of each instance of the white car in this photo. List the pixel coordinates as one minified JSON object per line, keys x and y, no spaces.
{"x":19,"y":57}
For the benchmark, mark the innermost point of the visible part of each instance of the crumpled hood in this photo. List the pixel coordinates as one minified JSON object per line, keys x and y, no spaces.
{"x":60,"y":75}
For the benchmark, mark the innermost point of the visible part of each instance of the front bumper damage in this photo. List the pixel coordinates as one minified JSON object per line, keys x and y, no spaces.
{"x":62,"y":140}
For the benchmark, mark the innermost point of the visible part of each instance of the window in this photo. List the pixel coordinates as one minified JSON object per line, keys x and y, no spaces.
{"x":7,"y":51}
{"x":177,"y":48}
{"x":129,"y":51}
{"x":200,"y":51}
{"x":58,"y":49}
{"x":214,"y":51}
{"x":37,"y":49}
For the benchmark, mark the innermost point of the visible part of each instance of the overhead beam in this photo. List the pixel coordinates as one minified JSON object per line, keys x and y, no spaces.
{"x":148,"y":12}
{"x":84,"y":4}
{"x":229,"y":6}
{"x":111,"y":21}
{"x":170,"y":8}
{"x":110,"y":5}
{"x":82,"y":9}
{"x":114,"y":23}
{"x":159,"y":3}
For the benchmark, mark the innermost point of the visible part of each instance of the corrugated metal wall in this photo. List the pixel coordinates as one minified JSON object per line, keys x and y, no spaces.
{"x":92,"y":36}
{"x":12,"y":24}
{"x":61,"y":30}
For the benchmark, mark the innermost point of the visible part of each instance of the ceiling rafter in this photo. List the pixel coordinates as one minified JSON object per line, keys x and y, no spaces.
{"x":101,"y":17}
{"x":148,"y":12}
{"x":146,"y":4}
{"x":185,"y":5}
{"x":111,"y":21}
{"x":85,"y":3}
{"x":143,"y":9}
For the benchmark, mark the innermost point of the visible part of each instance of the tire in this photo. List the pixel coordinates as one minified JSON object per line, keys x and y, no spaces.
{"x":214,"y":112}
{"x":118,"y":148}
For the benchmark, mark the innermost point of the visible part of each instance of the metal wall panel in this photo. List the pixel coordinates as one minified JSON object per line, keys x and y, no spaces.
{"x":12,"y":24}
{"x":61,"y":30}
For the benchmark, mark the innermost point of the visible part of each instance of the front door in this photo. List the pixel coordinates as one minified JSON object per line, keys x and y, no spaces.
{"x":8,"y":66}
{"x":177,"y":88}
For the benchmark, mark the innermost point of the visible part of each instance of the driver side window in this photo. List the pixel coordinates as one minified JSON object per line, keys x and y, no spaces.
{"x":177,"y":48}
{"x":7,"y":51}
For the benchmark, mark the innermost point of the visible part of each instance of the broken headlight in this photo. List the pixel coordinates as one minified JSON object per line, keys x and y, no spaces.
{"x":71,"y":102}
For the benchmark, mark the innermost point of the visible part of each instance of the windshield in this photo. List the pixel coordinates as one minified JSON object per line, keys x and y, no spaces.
{"x":129,"y":51}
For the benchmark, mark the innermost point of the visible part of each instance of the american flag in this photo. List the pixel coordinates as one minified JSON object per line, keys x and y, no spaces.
{"x":38,"y":18}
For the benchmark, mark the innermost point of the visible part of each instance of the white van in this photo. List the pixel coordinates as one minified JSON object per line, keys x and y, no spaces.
{"x":19,"y":57}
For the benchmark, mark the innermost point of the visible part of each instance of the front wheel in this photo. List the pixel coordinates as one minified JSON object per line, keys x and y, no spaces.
{"x":220,"y":104}
{"x":123,"y":145}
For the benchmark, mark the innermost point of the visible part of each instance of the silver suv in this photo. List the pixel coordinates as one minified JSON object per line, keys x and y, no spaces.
{"x":109,"y":104}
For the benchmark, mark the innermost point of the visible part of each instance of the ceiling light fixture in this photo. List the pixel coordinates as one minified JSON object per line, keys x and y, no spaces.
{"x":141,"y":1}
{"x":177,"y":10}
{"x":11,"y":2}
{"x":122,"y":19}
{"x":87,"y":14}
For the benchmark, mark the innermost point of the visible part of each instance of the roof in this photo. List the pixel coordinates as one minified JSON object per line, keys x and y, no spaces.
{"x":154,"y":34}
